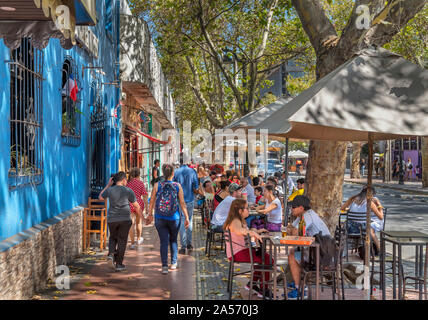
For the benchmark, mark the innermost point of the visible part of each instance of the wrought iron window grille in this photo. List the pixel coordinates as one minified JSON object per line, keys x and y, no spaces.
{"x":71,"y":114}
{"x":26,"y":116}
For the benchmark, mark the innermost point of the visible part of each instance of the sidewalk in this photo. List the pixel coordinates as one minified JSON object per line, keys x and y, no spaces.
{"x":408,"y":186}
{"x":92,"y":278}
{"x":197,"y":278}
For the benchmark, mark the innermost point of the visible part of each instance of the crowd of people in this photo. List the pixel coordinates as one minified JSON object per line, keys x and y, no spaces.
{"x":176,"y":190}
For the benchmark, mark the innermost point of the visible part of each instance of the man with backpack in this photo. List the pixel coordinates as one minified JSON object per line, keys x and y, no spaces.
{"x":165,"y":199}
{"x":188,"y":179}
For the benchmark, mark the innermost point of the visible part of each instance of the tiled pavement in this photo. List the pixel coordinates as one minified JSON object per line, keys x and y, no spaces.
{"x":197,"y":278}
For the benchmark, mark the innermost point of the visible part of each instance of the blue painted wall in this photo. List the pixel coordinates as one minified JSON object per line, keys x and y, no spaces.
{"x":66,"y":168}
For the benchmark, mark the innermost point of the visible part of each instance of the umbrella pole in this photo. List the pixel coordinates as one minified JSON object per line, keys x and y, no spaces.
{"x":285,"y":182}
{"x":368,"y":218}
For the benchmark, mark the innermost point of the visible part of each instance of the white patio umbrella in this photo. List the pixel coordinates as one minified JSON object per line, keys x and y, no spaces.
{"x":377,"y":95}
{"x":297,"y":154}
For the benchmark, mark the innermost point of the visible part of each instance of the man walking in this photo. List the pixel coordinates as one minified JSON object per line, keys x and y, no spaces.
{"x":155,"y":172}
{"x":188,"y":179}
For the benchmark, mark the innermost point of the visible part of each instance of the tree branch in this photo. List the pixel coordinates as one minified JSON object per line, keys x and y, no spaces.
{"x":215,"y":55}
{"x":351,"y":38}
{"x":317,"y":26}
{"x":266,"y":31}
{"x":392,"y":18}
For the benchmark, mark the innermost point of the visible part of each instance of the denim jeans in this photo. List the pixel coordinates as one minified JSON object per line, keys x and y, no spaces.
{"x":168,"y":233}
{"x":186,"y":234}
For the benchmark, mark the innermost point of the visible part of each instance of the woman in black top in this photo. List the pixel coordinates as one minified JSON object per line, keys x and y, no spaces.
{"x":155,"y":172}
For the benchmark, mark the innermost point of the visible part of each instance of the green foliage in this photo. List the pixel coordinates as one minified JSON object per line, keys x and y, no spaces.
{"x":257,"y":34}
{"x":411,"y":41}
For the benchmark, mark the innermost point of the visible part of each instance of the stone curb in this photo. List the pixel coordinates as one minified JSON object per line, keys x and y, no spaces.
{"x":393,"y":187}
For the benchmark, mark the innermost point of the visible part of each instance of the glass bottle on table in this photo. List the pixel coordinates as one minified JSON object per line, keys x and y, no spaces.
{"x":302,"y":227}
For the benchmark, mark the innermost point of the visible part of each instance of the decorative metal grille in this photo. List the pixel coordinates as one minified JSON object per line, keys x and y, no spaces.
{"x":26,"y":116}
{"x":70,"y":131}
{"x":99,"y":118}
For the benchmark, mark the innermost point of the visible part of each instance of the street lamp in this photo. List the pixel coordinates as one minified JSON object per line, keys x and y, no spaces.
{"x":227,"y":59}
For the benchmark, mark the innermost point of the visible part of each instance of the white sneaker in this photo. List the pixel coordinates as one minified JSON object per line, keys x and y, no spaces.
{"x":132,"y":246}
{"x":164,"y":270}
{"x":174,"y":266}
{"x":140,"y":240}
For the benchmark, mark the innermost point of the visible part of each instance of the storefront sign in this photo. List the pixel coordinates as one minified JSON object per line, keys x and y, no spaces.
{"x":88,"y":39}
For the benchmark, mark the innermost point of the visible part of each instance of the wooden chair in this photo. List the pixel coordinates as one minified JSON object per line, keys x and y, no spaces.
{"x":96,"y":211}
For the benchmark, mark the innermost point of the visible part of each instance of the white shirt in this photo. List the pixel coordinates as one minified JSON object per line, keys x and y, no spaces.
{"x":222,"y":211}
{"x":314,"y":224}
{"x":250,"y":194}
{"x":291,"y":185}
{"x":275,"y":216}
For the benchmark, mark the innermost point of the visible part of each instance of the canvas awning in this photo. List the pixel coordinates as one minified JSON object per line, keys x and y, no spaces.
{"x":153,"y":139}
{"x":376,"y":91}
{"x":35,"y":19}
{"x":255,"y":117}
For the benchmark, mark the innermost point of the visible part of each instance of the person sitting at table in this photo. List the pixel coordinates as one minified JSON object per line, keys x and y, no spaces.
{"x":357,"y":205}
{"x":221,"y":194}
{"x":290,"y":184}
{"x":222,"y":210}
{"x":272,"y":208}
{"x":300,"y":189}
{"x":249,"y":190}
{"x":208,"y":190}
{"x":301,"y":207}
{"x":258,"y":194}
{"x":235,"y":222}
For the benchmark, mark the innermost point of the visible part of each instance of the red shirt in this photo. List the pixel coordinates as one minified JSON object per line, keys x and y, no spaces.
{"x":139,"y":189}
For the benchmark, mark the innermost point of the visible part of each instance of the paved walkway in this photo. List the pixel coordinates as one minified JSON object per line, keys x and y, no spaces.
{"x":93,"y":278}
{"x":197,"y":278}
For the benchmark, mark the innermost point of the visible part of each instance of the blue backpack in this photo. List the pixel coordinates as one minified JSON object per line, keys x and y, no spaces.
{"x":166,"y":199}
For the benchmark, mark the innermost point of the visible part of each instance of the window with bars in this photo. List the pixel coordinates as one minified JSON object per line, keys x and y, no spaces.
{"x":70,"y":131}
{"x":26,"y":115}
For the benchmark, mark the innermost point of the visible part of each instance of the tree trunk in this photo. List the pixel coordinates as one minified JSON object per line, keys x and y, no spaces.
{"x":424,"y":152}
{"x":355,"y":166}
{"x":324,"y":174}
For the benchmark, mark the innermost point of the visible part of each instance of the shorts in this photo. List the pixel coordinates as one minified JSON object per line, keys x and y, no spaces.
{"x":377,"y":225}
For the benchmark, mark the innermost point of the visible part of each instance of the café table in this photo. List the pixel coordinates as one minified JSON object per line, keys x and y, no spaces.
{"x":399,"y":239}
{"x":274,"y":244}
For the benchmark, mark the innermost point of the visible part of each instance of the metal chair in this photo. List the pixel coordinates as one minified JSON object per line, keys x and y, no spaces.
{"x":333,"y":270}
{"x":422,"y":281}
{"x":211,"y":236}
{"x":373,"y":259}
{"x":259,"y":267}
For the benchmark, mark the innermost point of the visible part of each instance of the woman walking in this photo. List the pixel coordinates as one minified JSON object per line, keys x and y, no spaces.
{"x":119,"y":217}
{"x":165,"y":200}
{"x":136,"y":185}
